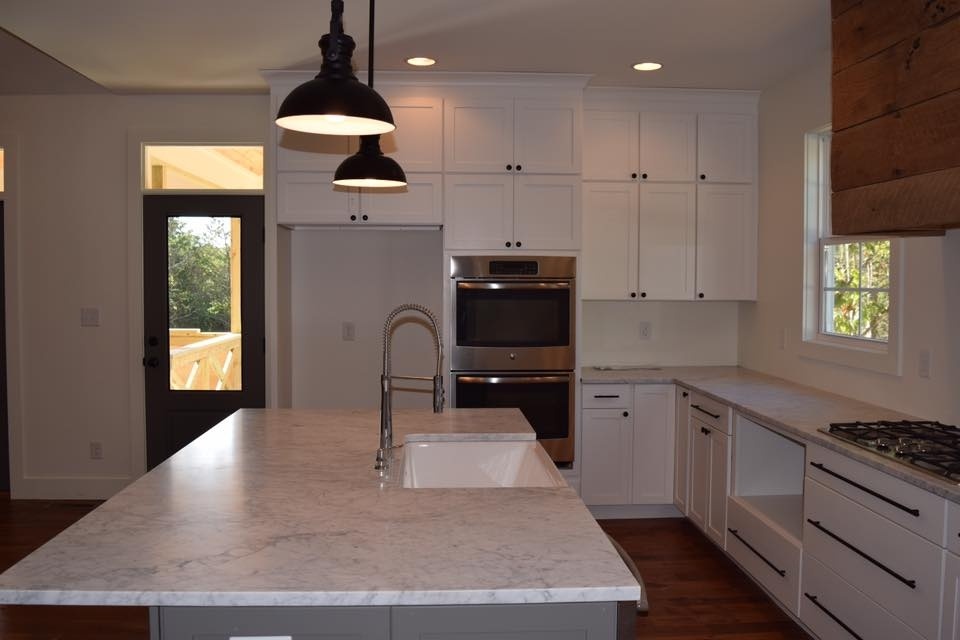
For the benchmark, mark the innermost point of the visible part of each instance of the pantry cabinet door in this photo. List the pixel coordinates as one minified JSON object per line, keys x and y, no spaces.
{"x":478,"y":135}
{"x":606,"y":462}
{"x":727,"y":147}
{"x":312,"y":198}
{"x":726,"y":242}
{"x":610,"y":145}
{"x":547,"y":136}
{"x":417,"y":142}
{"x":668,"y":147}
{"x":608,"y":259}
{"x":547,"y":213}
{"x":479,"y":211}
{"x":653,"y":441}
{"x":667,"y":241}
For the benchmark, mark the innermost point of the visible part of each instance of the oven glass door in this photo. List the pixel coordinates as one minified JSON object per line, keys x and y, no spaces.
{"x":546,"y":401}
{"x":513,"y":314}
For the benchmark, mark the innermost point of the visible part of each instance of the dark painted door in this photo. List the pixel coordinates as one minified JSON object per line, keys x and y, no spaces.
{"x":4,"y":428}
{"x":203,"y":312}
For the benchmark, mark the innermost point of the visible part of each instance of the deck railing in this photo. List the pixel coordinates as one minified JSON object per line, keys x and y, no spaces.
{"x":204,"y":361}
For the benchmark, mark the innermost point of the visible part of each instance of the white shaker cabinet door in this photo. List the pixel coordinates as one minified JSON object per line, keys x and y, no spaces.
{"x":417,"y":142}
{"x":719,"y":444}
{"x":478,"y":135}
{"x":951,"y":598}
{"x":299,"y":151}
{"x":727,"y":147}
{"x":419,"y":203}
{"x":312,"y":198}
{"x":653,"y":441}
{"x":668,"y":147}
{"x":547,"y":136}
{"x":726,"y":242}
{"x":681,"y":478}
{"x":610,"y":145}
{"x":478,"y":211}
{"x":608,"y":259}
{"x":547,"y":213}
{"x":606,"y":456}
{"x":667,"y":241}
{"x":699,"y":473}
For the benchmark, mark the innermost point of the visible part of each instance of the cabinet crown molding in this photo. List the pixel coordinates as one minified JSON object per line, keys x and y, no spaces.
{"x":293,"y":77}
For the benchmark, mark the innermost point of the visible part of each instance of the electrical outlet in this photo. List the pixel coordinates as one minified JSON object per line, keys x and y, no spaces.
{"x":349,"y":331}
{"x":923,"y":363}
{"x":646,"y":330}
{"x":96,"y":450}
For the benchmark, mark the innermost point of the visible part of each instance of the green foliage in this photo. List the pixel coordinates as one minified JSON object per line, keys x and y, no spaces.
{"x":856,"y":290}
{"x":198,"y":276}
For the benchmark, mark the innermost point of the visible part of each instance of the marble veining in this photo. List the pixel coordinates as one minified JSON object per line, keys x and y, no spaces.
{"x":795,"y":410}
{"x":283,"y":507}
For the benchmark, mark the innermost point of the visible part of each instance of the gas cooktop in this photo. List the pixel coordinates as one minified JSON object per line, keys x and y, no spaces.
{"x":928,"y":446}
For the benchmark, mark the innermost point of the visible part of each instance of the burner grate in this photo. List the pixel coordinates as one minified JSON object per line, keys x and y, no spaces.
{"x":927,"y":445}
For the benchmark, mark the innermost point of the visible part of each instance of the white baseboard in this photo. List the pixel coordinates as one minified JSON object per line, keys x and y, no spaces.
{"x":634,"y":511}
{"x":66,"y":488}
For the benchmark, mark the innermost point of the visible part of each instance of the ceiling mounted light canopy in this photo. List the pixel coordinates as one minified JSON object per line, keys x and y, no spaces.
{"x":368,"y":167}
{"x":335,"y":102}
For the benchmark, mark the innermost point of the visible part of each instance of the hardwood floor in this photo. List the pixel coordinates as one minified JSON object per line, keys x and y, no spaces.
{"x":695,"y":592}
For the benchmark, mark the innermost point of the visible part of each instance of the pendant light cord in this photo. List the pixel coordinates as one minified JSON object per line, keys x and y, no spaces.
{"x":370,"y":62}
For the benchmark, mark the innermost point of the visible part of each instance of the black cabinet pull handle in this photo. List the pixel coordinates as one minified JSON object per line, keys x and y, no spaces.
{"x":509,"y":167}
{"x":519,"y":168}
{"x":643,"y":294}
{"x":507,"y":244}
{"x":703,"y":176}
{"x":644,"y":176}
{"x":699,"y":295}
{"x":705,"y":431}
{"x":685,"y":394}
{"x":829,"y":613}
{"x":715,"y":416}
{"x":353,"y":217}
{"x":633,"y":175}
{"x":822,"y":467}
{"x":736,"y":534}
{"x":626,"y":414}
{"x":364,"y":216}
{"x":633,"y":294}
{"x":910,"y":583}
{"x":519,"y":244}
{"x":606,"y":396}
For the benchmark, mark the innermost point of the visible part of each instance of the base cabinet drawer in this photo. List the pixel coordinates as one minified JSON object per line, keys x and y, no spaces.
{"x":898,"y":569}
{"x":772,"y":559}
{"x":834,"y":610}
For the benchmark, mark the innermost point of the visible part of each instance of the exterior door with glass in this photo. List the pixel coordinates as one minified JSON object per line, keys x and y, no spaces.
{"x":203,"y":307}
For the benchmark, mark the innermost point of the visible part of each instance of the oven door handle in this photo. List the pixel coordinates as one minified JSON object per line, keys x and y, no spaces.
{"x":514,"y":286}
{"x":511,"y":379}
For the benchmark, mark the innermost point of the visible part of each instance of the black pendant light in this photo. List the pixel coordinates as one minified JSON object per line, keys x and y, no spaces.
{"x":368,"y":167}
{"x":335,"y":102}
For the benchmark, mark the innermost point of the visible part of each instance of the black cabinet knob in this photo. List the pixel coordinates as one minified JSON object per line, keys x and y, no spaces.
{"x":626,"y":414}
{"x":633,"y":294}
{"x":699,"y":295}
{"x":633,"y":175}
{"x":643,"y":294}
{"x":353,"y":217}
{"x":685,"y":394}
{"x":644,"y":176}
{"x":507,"y":244}
{"x":519,"y":167}
{"x":703,"y":176}
{"x":519,"y":243}
{"x":364,"y":216}
{"x":509,"y":167}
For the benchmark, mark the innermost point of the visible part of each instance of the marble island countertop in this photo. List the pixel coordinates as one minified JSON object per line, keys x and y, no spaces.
{"x":795,"y":410}
{"x":283,"y":507}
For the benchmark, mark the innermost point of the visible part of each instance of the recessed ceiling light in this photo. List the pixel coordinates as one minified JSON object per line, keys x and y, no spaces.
{"x":647,"y":66}
{"x":421,"y":62}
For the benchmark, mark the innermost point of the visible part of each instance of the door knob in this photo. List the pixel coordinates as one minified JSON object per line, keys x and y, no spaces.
{"x":153,"y":362}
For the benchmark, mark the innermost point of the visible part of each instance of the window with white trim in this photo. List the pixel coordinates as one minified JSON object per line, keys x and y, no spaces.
{"x":851,"y":301}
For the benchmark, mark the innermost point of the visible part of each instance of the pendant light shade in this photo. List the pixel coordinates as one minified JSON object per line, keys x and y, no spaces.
{"x":335,"y":102}
{"x":369,"y":167}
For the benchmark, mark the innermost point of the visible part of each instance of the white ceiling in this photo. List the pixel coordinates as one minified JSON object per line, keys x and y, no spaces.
{"x":134,"y":46}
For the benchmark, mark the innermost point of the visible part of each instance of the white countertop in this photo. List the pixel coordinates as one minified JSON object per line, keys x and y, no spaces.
{"x":793,"y":409}
{"x":283,"y":507}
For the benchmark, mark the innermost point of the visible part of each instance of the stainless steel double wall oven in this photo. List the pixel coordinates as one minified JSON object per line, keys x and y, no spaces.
{"x":514,"y":341}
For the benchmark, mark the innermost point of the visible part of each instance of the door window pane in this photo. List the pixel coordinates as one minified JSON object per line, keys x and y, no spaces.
{"x":203,"y":301}
{"x":202,"y":167}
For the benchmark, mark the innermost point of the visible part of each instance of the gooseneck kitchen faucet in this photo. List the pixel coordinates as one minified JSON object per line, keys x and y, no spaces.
{"x":386,"y":378}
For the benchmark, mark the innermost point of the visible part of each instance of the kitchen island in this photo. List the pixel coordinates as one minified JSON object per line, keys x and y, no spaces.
{"x":274,"y":523}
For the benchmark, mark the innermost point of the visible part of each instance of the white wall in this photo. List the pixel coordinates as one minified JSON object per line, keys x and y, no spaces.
{"x":931,"y":315}
{"x":359,"y":276}
{"x":74,"y":385}
{"x":682,"y":333}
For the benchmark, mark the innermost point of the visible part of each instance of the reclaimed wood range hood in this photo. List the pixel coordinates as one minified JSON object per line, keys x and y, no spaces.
{"x":895,"y":159}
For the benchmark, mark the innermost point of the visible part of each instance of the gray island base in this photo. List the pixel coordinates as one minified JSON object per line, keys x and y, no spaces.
{"x":274,"y":525}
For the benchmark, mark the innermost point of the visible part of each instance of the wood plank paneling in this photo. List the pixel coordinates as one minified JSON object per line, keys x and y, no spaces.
{"x":920,"y":139}
{"x":928,"y":201}
{"x":873,"y":25}
{"x":840,"y":6}
{"x":914,"y":70}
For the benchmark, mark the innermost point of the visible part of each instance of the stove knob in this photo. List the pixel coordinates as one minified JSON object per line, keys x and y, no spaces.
{"x":513,"y":356}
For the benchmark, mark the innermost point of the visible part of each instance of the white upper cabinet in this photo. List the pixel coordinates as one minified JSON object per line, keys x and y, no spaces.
{"x":726,"y":242}
{"x":478,"y":212}
{"x":727,"y":147}
{"x":547,"y":214}
{"x":668,"y":147}
{"x":667,"y":241}
{"x":419,"y":203}
{"x":504,"y":135}
{"x":417,"y":142}
{"x":610,"y":149}
{"x":299,"y":151}
{"x":608,"y":258}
